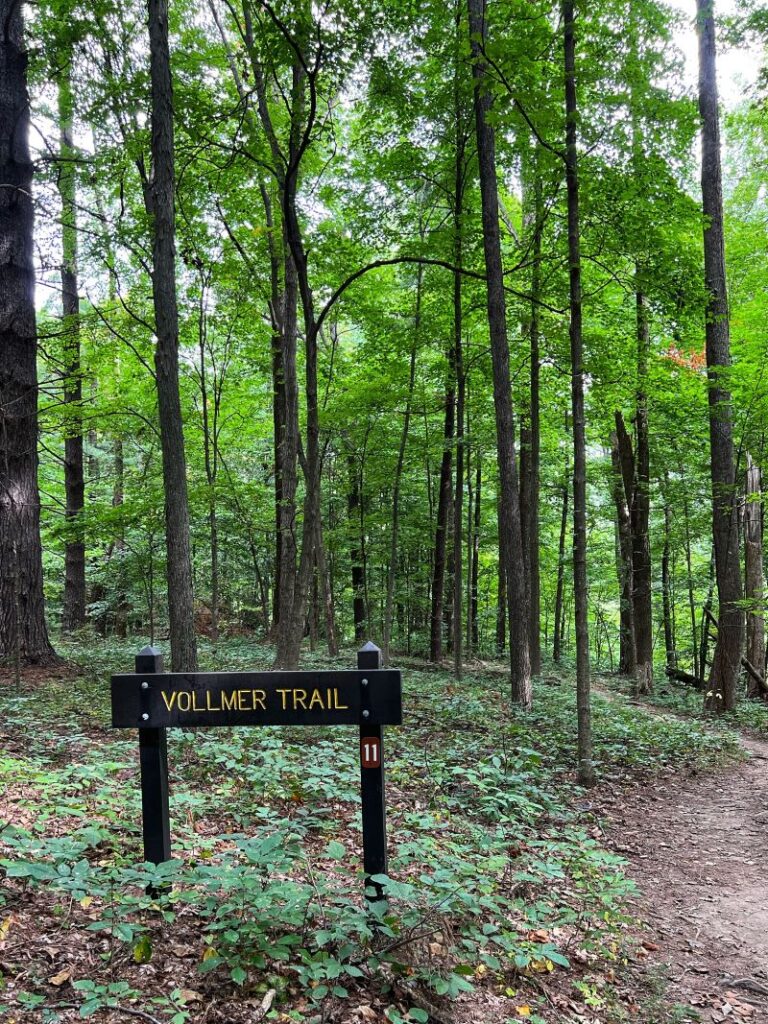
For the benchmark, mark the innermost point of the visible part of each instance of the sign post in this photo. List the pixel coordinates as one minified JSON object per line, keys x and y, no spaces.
{"x":153,"y":700}
{"x":153,"y":758}
{"x":372,"y":781}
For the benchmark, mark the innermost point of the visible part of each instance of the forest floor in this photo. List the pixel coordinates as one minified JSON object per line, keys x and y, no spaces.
{"x":514,"y":894}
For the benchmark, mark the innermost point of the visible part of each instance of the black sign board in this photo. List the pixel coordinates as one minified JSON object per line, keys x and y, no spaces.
{"x":152,"y":700}
{"x":204,"y":699}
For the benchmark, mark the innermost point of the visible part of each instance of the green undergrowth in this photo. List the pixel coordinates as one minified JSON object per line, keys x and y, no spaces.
{"x":493,"y":874}
{"x":678,"y":699}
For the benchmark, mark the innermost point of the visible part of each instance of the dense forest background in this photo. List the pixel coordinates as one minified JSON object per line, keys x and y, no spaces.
{"x":355,"y":321}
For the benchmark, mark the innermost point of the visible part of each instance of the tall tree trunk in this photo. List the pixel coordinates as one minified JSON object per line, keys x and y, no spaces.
{"x":642,"y":593}
{"x":557,"y":629}
{"x":666,"y":588}
{"x":73,"y":612}
{"x":324,"y":580}
{"x":118,"y":497}
{"x":394,"y":536}
{"x":475,"y":563}
{"x":354,"y":513}
{"x":292,"y":625}
{"x":288,"y":393}
{"x":279,"y":297}
{"x":531,"y":506}
{"x":510,"y":532}
{"x":23,"y":632}
{"x":580,"y":584}
{"x":159,"y":195}
{"x":627,"y":658}
{"x":698,"y":669}
{"x":726,"y":665}
{"x":461,"y":385}
{"x":443,"y":503}
{"x":753,"y":572}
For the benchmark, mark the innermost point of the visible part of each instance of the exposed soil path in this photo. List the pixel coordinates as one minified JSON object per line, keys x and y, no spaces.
{"x":696,"y":849}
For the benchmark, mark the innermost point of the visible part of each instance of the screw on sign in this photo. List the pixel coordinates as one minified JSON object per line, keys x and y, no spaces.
{"x":370,"y":752}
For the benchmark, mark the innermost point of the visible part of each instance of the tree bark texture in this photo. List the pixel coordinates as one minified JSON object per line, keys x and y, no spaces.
{"x":160,"y":207}
{"x":441,"y":528}
{"x":726,"y":664}
{"x":557,"y":633}
{"x":73,"y":612}
{"x":627,"y":662}
{"x":580,"y":584}
{"x":394,"y":535}
{"x":354,"y":514}
{"x":642,"y":589}
{"x":510,"y":529}
{"x":666,"y":590}
{"x":23,"y":632}
{"x":530,"y":508}
{"x":753,"y":572}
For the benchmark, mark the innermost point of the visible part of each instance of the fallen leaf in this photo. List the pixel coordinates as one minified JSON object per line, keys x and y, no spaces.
{"x":652,"y":947}
{"x":61,"y":977}
{"x":188,"y":995}
{"x":523,"y":1011}
{"x":5,"y":927}
{"x":182,"y":951}
{"x":86,"y":901}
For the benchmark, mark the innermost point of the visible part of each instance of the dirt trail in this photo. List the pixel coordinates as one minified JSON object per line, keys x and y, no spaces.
{"x":697,"y":853}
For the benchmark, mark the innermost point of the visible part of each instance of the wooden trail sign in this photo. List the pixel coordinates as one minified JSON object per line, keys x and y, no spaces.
{"x":152,"y":700}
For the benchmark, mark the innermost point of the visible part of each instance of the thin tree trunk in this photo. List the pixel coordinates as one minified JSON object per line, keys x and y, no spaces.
{"x":118,"y":497}
{"x":288,"y":450}
{"x":441,"y":529}
{"x":726,"y":665}
{"x":642,"y":594}
{"x":159,"y":195}
{"x":753,"y":572}
{"x":476,"y":553}
{"x":73,"y":612}
{"x":23,"y":632}
{"x":394,"y":536}
{"x":698,"y":670}
{"x":580,"y":584}
{"x":354,"y":514}
{"x":557,"y":629}
{"x":510,"y":532}
{"x":327,"y":594}
{"x":531,"y":508}
{"x":666,"y":589}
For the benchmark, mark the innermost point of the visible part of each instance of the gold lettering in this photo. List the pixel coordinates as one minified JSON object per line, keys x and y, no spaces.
{"x":259,"y":699}
{"x":241,"y":704}
{"x":184,"y":700}
{"x":229,"y":701}
{"x":208,"y":705}
{"x":299,"y":701}
{"x":316,"y":698}
{"x":169,"y":703}
{"x":194,"y":702}
{"x":284,"y":697}
{"x":336,"y":705}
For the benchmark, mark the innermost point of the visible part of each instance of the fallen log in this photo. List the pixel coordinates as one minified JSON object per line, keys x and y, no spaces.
{"x":755,"y":674}
{"x":687,"y":678}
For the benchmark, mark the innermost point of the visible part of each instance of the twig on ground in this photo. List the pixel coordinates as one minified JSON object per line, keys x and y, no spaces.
{"x":142,"y":1014}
